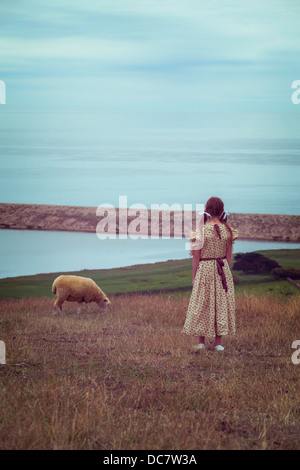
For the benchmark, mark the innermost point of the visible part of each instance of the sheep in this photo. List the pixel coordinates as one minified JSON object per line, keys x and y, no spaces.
{"x":77,"y":289}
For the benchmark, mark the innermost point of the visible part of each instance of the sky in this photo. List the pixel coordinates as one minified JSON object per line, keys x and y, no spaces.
{"x":211,"y":68}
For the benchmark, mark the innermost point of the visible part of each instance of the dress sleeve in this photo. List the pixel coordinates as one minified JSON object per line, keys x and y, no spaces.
{"x":235,"y":234}
{"x":195,"y":241}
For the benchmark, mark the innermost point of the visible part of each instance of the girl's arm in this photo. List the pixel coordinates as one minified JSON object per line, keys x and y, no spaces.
{"x":196,"y":259}
{"x":229,"y":254}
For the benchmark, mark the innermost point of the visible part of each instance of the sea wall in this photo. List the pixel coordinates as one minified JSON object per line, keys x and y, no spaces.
{"x":84,"y":219}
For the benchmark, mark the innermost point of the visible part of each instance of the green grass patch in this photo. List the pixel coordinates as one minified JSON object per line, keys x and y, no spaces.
{"x":168,"y":276}
{"x":286,"y":258}
{"x":282,"y":288}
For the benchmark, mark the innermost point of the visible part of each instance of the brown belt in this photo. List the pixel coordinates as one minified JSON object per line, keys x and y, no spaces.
{"x":220,"y":264}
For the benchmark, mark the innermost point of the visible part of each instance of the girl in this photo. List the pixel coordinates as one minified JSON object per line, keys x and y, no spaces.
{"x":211,"y":310}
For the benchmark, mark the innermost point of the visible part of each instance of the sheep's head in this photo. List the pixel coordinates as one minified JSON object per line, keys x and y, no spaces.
{"x":103,"y":302}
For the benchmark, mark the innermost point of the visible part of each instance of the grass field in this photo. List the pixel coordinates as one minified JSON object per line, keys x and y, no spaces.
{"x":129,"y":379}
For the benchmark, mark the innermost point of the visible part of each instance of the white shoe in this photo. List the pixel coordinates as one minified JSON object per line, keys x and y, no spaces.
{"x":219,"y":348}
{"x":199,"y":346}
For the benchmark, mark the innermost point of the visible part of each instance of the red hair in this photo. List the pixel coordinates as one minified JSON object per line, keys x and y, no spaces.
{"x":215,"y":207}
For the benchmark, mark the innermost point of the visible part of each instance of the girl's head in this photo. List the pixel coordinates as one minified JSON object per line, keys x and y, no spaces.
{"x":215,"y":207}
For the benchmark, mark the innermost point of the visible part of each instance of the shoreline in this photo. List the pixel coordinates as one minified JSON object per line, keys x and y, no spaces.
{"x":253,"y":239}
{"x":148,"y":265}
{"x":15,"y":216}
{"x":158,"y":277}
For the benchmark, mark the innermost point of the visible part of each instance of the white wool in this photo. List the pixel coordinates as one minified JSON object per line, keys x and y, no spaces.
{"x":77,"y":289}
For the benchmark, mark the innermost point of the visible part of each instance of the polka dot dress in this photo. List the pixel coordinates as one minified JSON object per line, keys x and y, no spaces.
{"x":211,"y":309}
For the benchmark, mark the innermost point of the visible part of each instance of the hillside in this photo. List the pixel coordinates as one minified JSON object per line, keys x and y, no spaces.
{"x":129,"y":379}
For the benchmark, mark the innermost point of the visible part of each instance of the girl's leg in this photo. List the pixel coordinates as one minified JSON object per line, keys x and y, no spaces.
{"x":201,"y":344}
{"x":218,"y":340}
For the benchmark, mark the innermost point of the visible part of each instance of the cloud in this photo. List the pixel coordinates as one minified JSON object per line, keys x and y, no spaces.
{"x":71,"y":48}
{"x":149,"y":31}
{"x":134,"y":54}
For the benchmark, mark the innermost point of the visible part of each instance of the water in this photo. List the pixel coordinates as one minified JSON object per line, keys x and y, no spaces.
{"x":26,"y":252}
{"x":91,"y":159}
{"x":88,"y":159}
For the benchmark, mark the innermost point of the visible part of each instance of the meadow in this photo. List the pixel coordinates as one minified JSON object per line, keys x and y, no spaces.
{"x":129,"y":379}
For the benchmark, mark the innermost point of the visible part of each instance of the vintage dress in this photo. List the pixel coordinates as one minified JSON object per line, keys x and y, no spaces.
{"x":211,"y":308}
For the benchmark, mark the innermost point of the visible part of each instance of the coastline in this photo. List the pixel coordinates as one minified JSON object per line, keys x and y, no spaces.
{"x":172,"y":276}
{"x":15,"y":216}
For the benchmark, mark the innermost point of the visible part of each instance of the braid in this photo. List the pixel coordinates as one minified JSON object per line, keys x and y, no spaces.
{"x":224,"y":221}
{"x":215,"y":207}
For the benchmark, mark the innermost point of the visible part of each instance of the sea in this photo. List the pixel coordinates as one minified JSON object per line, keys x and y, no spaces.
{"x":85,"y":159}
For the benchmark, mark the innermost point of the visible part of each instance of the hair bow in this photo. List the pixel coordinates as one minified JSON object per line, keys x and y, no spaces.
{"x":226,"y":213}
{"x":200,"y":213}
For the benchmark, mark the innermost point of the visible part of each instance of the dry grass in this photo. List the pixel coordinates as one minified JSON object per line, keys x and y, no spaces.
{"x":130,"y":379}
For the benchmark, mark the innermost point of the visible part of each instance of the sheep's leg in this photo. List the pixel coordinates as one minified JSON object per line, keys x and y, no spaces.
{"x":79,"y":307}
{"x":58,"y":306}
{"x":61,"y":295}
